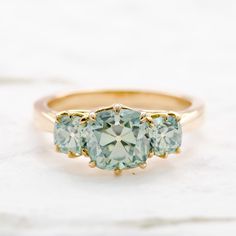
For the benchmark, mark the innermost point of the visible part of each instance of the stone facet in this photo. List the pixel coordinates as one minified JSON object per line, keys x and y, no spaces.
{"x":67,"y":134}
{"x":117,"y":140}
{"x":166,"y":135}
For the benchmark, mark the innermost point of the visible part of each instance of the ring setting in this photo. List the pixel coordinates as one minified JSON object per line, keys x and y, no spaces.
{"x":117,"y":137}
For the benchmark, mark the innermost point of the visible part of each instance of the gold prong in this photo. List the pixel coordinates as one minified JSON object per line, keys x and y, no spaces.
{"x":148,"y":119}
{"x":116,"y":107}
{"x":143,"y":116}
{"x":117,"y":172}
{"x":57,"y":148}
{"x":58,"y":119}
{"x":175,"y":115}
{"x":178,"y":117}
{"x":60,"y":115}
{"x":163,"y":156}
{"x":92,"y":164}
{"x":164,"y":116}
{"x":85,"y":152}
{"x":143,"y":165}
{"x":71,"y":154}
{"x":178,"y":150}
{"x":92,"y":116}
{"x":84,"y":119}
{"x":150,"y":154}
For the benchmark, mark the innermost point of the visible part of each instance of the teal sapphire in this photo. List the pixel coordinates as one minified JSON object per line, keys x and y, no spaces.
{"x":67,"y":134}
{"x":117,"y":140}
{"x":166,"y":135}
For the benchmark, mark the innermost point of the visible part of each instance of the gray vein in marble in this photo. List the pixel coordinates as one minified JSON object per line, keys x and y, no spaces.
{"x":23,"y":222}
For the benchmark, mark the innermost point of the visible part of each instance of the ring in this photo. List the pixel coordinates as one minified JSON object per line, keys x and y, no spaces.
{"x":118,"y":130}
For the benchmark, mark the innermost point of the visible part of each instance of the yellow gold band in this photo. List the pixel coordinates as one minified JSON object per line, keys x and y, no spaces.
{"x":189,"y":109}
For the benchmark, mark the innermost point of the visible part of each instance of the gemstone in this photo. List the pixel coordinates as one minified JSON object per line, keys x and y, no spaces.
{"x":166,"y":135}
{"x":117,"y":140}
{"x":67,"y":134}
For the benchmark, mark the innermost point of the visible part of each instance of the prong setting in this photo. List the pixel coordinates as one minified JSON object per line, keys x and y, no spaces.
{"x":175,"y":115}
{"x":143,"y":165}
{"x":178,"y":150}
{"x":117,"y":172}
{"x":60,"y":115}
{"x":143,"y":116}
{"x":92,"y":116}
{"x":92,"y":164}
{"x":163,"y":156}
{"x":84,"y":119}
{"x":150,"y":154}
{"x":85,"y":152}
{"x":57,"y":148}
{"x":72,"y":154}
{"x":67,"y":123}
{"x":117,"y":107}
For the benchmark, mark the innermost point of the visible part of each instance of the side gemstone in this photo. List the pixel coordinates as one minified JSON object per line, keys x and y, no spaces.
{"x":166,"y":135}
{"x":117,"y":140}
{"x":67,"y":134}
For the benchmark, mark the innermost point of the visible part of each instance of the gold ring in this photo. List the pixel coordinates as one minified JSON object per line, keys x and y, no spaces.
{"x":118,"y":129}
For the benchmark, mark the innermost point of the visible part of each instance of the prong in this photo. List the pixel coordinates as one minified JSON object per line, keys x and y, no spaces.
{"x":150,"y":154}
{"x":143,"y":165}
{"x":92,"y":164}
{"x":164,"y":155}
{"x":84,"y":119}
{"x":92,"y":116}
{"x":85,"y":152}
{"x":150,"y":121}
{"x":60,"y":115}
{"x":117,"y":172}
{"x":116,"y":107}
{"x":71,"y":154}
{"x":57,"y":148}
{"x":178,"y":150}
{"x":143,"y":116}
{"x":175,"y":115}
{"x":164,"y":116}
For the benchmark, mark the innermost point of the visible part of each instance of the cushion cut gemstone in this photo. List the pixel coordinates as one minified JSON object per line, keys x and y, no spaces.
{"x":67,"y":134}
{"x":166,"y":135}
{"x":117,"y":140}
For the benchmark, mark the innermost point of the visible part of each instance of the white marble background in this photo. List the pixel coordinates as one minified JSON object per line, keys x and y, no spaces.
{"x":54,"y":45}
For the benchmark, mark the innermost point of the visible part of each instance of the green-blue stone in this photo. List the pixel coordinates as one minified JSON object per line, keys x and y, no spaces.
{"x":67,"y":134}
{"x":117,"y":140}
{"x":166,"y":135}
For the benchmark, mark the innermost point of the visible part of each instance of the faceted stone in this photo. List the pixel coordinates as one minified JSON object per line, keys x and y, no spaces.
{"x":117,"y":140}
{"x":166,"y":135}
{"x":67,"y":134}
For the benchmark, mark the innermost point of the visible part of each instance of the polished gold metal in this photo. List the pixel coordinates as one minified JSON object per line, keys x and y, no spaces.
{"x":178,"y":150}
{"x":92,"y":164}
{"x":57,"y":148}
{"x":72,"y":155}
{"x":117,"y":172}
{"x":151,"y":154}
{"x":190,"y":110}
{"x":85,"y":152}
{"x":164,"y":156}
{"x":117,"y":107}
{"x":143,"y":165}
{"x":92,"y":116}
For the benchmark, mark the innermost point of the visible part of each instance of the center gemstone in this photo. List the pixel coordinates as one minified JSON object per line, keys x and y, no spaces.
{"x":117,"y":140}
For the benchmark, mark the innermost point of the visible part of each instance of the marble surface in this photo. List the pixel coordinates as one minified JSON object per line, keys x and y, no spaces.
{"x":181,"y":46}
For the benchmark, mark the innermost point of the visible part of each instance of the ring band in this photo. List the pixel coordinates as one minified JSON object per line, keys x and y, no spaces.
{"x":116,"y":136}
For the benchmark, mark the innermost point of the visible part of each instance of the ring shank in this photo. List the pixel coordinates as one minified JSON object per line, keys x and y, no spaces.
{"x":190,"y":110}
